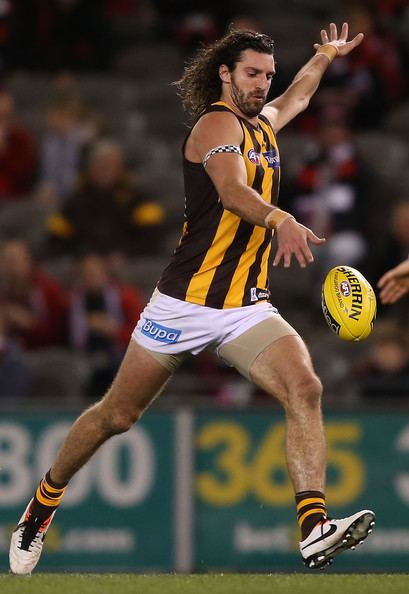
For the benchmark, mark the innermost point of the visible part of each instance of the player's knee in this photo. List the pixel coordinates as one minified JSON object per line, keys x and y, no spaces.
{"x":122,"y":421}
{"x":308,"y":390}
{"x":116,"y":420}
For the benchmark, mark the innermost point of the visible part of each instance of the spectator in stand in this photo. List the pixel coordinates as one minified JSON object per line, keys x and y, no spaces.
{"x":369,"y":83}
{"x":62,"y":150}
{"x":17,"y":153}
{"x":376,"y":71}
{"x":190,"y":24}
{"x":399,"y":231}
{"x":6,"y":42}
{"x":34,"y":306}
{"x":108,"y":212}
{"x":384,"y":369}
{"x":331,"y":194}
{"x":61,"y":34}
{"x":103,"y":313}
{"x":365,"y":85}
{"x":15,"y":377}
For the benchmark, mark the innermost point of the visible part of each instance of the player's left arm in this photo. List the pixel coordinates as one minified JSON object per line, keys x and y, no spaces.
{"x":296,"y":98}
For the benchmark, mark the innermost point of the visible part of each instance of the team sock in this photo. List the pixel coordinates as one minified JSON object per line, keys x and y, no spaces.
{"x":311,"y":508}
{"x":47,"y":497}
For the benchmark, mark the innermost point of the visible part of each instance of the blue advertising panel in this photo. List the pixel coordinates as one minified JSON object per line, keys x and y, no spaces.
{"x":117,"y":513}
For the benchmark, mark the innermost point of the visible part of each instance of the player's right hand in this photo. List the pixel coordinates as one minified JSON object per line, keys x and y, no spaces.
{"x":293,"y":238}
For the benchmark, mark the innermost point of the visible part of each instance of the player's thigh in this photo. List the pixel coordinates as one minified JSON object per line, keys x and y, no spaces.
{"x":242,"y":351}
{"x":139,"y":379}
{"x":284,"y":368}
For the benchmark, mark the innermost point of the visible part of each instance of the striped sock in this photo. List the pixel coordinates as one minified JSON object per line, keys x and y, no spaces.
{"x":47,"y":497}
{"x":311,"y":508}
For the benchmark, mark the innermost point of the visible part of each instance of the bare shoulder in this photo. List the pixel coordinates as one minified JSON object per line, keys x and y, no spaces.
{"x":270,"y":111}
{"x":217,"y":123}
{"x":213,"y":129}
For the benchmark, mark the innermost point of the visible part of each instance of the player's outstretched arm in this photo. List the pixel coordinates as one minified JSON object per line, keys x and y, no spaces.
{"x":394,"y":284}
{"x":296,"y":98}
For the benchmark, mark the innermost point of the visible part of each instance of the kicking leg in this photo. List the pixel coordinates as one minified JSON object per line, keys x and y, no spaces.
{"x":284,"y":370}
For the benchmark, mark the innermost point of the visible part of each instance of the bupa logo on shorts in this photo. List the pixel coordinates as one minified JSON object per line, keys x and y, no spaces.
{"x":254,"y":157}
{"x":272,"y":158}
{"x":155,"y":331}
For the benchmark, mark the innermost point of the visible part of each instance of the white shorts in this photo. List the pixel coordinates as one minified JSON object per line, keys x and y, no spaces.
{"x":169,"y":326}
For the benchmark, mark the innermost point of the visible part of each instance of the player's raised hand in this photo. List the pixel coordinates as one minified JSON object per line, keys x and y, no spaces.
{"x":340,"y":42}
{"x":293,"y":238}
{"x":394,"y":284}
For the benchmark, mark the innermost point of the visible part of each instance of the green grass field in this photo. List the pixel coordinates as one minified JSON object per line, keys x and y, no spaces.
{"x":205,"y":584}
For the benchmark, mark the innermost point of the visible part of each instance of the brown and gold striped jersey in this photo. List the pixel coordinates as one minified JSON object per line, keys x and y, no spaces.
{"x":221,"y":261}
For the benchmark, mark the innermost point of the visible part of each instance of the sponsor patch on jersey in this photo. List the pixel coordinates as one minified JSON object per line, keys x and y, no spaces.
{"x":161,"y":333}
{"x":254,"y":157}
{"x":272,"y":157}
{"x":257,"y":294}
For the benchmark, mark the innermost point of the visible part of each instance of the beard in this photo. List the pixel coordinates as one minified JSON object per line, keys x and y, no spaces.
{"x":248,"y":104}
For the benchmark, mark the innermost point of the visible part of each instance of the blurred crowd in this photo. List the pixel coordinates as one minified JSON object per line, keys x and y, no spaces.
{"x":85,"y":224}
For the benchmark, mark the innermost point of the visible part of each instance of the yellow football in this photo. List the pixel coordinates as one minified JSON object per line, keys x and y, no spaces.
{"x":348,"y":303}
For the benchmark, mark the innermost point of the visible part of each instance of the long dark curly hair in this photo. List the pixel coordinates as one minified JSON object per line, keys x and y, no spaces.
{"x":200,"y":85}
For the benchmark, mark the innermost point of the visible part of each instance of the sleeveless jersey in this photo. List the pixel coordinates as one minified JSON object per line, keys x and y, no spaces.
{"x":221,"y":260}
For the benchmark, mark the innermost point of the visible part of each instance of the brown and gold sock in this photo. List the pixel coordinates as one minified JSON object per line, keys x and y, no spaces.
{"x":311,"y":508}
{"x":47,"y":497}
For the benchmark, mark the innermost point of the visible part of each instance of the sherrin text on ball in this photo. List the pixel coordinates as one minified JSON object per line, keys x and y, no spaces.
{"x":348,"y":303}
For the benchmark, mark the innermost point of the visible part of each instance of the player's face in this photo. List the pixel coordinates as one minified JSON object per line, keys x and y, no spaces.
{"x":251,"y":81}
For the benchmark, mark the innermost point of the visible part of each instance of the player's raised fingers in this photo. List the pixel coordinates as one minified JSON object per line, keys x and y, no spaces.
{"x":324,"y":36}
{"x":344,"y":32}
{"x":333,"y":33}
{"x":356,"y":40}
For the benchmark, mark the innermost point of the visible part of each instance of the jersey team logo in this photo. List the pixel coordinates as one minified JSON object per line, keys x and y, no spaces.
{"x":254,"y":157}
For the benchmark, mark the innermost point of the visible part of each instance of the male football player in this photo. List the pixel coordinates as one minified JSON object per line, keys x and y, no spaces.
{"x":214,"y":294}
